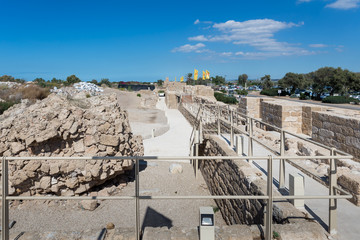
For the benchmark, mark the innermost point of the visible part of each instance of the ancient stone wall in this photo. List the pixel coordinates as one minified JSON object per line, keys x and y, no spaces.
{"x":171,"y":99}
{"x":57,"y":126}
{"x":250,"y":106}
{"x":229,"y":177}
{"x":282,"y":114}
{"x":341,"y":131}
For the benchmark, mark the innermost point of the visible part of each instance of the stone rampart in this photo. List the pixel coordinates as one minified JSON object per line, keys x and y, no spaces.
{"x":250,"y":106}
{"x":341,"y":131}
{"x":230,"y":177}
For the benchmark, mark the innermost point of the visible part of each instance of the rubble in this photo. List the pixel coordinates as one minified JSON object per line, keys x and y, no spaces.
{"x":63,"y":127}
{"x":80,"y":87}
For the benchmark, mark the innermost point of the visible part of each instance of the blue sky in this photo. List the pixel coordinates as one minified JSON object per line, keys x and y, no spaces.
{"x":150,"y":40}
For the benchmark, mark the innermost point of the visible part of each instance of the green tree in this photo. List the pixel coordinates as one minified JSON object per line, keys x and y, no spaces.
{"x":266,"y":82}
{"x":70,"y":80}
{"x":40,"y":82}
{"x":242,"y":79}
{"x":6,"y":78}
{"x":294,"y":81}
{"x":218,"y":80}
{"x":160,"y":82}
{"x":105,"y":81}
{"x":189,"y":79}
{"x":322,"y":78}
{"x":94,"y":81}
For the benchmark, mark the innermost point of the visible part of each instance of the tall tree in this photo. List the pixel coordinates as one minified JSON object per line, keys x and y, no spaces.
{"x":294,"y":81}
{"x":218,"y":80}
{"x":71,"y":80}
{"x":242,"y":79}
{"x":266,"y":82}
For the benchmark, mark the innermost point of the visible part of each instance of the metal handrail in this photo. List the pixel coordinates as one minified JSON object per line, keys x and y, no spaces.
{"x":269,"y":196}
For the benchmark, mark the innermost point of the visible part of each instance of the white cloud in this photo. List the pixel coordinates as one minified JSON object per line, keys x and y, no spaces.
{"x":302,"y":1}
{"x":190,"y":48}
{"x":318,"y":45}
{"x":344,"y":4}
{"x":200,"y":38}
{"x":197,"y":21}
{"x":258,"y":33}
{"x":226,"y":54}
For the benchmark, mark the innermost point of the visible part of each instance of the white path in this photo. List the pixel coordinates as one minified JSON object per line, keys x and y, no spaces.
{"x":174,"y":142}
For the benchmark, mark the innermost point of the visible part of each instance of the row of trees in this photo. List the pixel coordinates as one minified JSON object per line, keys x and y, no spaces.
{"x":325,"y":79}
{"x":54,"y":82}
{"x":334,"y":80}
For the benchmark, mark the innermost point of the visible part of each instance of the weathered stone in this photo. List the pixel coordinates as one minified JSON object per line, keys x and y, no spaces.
{"x":175,"y":168}
{"x":90,"y":205}
{"x":109,"y":140}
{"x":45,"y":182}
{"x":16,"y":147}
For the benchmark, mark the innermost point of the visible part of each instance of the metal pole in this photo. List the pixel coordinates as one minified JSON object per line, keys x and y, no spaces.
{"x":231,"y":129}
{"x":200,"y":130}
{"x":137,"y":194}
{"x":250,"y":140}
{"x":282,"y":161}
{"x":269,"y":206}
{"x":218,"y":121}
{"x":332,"y":191}
{"x":4,"y":201}
{"x":196,"y":146}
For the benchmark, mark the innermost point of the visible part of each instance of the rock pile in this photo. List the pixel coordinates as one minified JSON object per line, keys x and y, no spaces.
{"x":81,"y":87}
{"x":10,"y":84}
{"x":58,"y":126}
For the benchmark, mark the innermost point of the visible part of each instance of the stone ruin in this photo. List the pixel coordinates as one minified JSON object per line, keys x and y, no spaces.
{"x":63,"y":127}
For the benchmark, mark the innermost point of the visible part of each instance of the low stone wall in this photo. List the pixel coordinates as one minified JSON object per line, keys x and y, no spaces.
{"x":339,"y":131}
{"x":228,"y":177}
{"x":171,"y":99}
{"x":282,"y":114}
{"x":250,"y":106}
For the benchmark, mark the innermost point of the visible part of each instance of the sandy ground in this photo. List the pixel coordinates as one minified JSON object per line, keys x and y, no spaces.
{"x":155,"y":179}
{"x":143,"y":114}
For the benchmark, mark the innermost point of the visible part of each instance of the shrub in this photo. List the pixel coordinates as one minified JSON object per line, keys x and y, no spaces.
{"x":88,"y":95}
{"x":5,"y":106}
{"x":223,"y":91}
{"x":270,"y":92}
{"x":139,"y":95}
{"x":225,"y":99}
{"x":34,"y":92}
{"x":161,"y":91}
{"x":302,"y":96}
{"x":242,"y":92}
{"x":339,"y":99}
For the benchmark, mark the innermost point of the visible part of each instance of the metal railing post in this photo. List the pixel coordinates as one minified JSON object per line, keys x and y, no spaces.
{"x":4,"y":201}
{"x":332,"y":191}
{"x":269,"y":205}
{"x":137,"y":194}
{"x":218,"y":121}
{"x":282,"y":161}
{"x":231,"y":129}
{"x":196,"y":145}
{"x":250,"y":139}
{"x":200,"y":130}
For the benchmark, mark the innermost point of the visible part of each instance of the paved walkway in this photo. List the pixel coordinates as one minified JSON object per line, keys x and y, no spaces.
{"x":348,"y":213}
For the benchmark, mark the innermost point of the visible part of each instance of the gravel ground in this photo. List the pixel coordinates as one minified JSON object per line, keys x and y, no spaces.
{"x":155,"y":179}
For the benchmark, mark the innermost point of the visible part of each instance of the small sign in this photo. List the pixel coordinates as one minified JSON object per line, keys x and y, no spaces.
{"x":279,"y":91}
